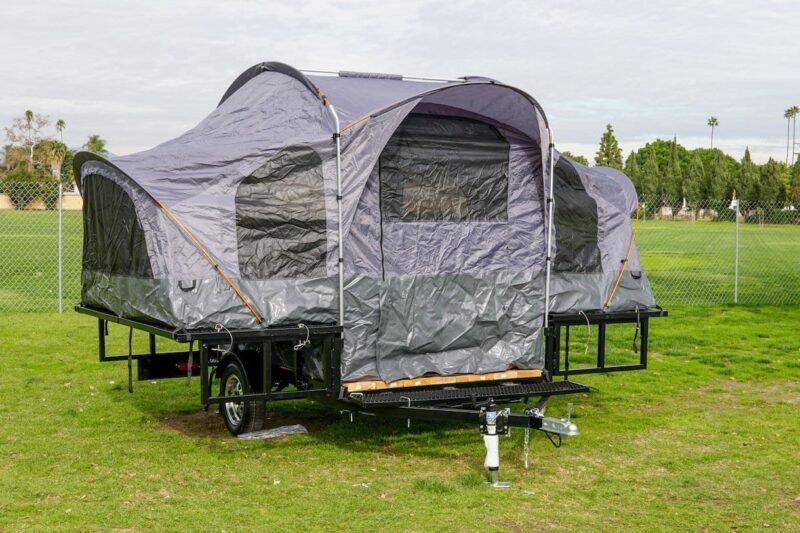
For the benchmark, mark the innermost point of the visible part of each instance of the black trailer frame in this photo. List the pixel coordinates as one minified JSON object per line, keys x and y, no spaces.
{"x":453,"y":403}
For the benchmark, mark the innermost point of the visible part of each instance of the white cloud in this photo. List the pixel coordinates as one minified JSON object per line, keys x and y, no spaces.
{"x":141,"y":72}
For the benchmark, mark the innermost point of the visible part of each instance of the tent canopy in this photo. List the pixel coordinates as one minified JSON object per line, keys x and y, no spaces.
{"x":441,"y":186}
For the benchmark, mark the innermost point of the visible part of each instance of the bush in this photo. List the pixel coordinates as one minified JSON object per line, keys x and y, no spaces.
{"x":20,"y":186}
{"x":726,"y":215}
{"x":23,"y":187}
{"x":49,"y":194}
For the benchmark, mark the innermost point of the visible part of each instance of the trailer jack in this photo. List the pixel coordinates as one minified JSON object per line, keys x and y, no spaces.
{"x":494,"y":422}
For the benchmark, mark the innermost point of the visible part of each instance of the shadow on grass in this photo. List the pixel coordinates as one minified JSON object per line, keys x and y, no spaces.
{"x":326,"y":425}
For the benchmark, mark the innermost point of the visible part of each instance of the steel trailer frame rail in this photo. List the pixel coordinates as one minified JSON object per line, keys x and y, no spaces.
{"x":453,"y":403}
{"x":557,"y":321}
{"x":330,"y":335}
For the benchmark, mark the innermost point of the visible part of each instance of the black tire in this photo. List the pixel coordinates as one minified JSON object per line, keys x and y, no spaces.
{"x":240,"y":417}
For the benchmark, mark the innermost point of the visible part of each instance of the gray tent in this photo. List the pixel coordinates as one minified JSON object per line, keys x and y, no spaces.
{"x":437,"y":190}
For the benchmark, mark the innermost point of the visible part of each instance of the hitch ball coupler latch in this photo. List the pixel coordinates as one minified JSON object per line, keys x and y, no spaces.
{"x":558,"y":426}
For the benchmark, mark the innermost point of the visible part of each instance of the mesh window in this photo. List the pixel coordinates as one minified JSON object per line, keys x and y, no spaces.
{"x":575,"y":222}
{"x":280,"y":218}
{"x":113,"y":239}
{"x":438,"y":168}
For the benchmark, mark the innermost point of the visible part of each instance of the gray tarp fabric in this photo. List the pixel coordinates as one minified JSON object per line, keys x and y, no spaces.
{"x":443,"y":215}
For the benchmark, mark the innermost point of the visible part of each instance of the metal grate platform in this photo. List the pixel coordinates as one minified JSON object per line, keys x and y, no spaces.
{"x":465,"y":394}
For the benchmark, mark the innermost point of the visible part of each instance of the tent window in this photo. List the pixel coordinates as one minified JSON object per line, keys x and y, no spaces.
{"x":437,"y":168}
{"x":575,"y":222}
{"x":113,"y":239}
{"x":280,"y":217}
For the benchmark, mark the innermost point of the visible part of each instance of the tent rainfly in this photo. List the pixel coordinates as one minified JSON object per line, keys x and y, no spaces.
{"x":413,"y":212}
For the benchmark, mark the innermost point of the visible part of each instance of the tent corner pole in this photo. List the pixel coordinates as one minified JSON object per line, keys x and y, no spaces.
{"x":337,"y":138}
{"x":550,"y":208}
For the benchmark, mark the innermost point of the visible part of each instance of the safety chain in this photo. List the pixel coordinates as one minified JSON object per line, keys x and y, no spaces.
{"x":526,"y":448}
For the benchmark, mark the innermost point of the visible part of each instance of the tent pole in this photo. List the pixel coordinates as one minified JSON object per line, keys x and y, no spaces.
{"x":337,"y":137}
{"x":550,"y":208}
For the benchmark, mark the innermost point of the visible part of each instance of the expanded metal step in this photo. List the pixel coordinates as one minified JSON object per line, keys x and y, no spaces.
{"x":465,"y":394}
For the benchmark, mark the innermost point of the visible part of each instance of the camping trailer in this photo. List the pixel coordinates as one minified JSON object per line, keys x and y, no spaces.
{"x":403,"y":246}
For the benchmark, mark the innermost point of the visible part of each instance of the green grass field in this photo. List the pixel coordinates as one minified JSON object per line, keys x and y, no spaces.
{"x":706,"y":439}
{"x":695,"y":262}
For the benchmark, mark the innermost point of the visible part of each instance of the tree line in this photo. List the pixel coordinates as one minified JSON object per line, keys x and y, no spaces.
{"x":35,"y":159}
{"x":666,"y":169}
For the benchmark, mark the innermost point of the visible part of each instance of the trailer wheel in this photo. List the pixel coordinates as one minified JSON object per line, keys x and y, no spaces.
{"x":240,"y":417}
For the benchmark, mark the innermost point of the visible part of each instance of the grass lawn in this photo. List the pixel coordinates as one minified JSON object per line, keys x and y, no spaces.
{"x":707,"y":438}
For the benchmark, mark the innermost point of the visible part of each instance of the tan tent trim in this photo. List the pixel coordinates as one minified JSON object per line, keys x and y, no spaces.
{"x":364,"y":386}
{"x":211,"y":260}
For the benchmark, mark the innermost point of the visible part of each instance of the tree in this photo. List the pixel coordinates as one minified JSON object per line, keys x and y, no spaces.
{"x":57,"y":153}
{"x":26,"y":132}
{"x":746,"y":185}
{"x":795,"y":110}
{"x":708,"y":155}
{"x":60,"y":125}
{"x":794,"y":189}
{"x":67,"y":175}
{"x":577,"y":158}
{"x":648,"y":181}
{"x":673,"y":177}
{"x":96,"y":144}
{"x":716,"y":178}
{"x":609,"y":153}
{"x":664,"y":150}
{"x":693,"y":183}
{"x":632,"y":169}
{"x":14,"y":156}
{"x":771,"y":184}
{"x":713,"y":123}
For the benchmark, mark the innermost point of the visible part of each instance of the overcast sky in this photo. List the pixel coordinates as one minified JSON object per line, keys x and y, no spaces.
{"x":139,"y":73}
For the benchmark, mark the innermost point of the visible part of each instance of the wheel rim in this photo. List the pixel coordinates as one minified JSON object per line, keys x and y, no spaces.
{"x":234,"y":410}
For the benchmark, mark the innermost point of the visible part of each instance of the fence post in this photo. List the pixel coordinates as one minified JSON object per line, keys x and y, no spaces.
{"x":736,"y":261}
{"x":60,"y":248}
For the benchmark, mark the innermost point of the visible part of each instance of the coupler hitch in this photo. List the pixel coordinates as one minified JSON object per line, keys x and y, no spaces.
{"x":495,"y":422}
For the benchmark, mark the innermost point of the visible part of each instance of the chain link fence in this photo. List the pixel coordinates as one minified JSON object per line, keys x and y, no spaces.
{"x":41,"y":239}
{"x":719,"y":252}
{"x":694,"y":253}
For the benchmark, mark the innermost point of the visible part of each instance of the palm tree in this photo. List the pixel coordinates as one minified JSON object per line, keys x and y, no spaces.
{"x":96,"y":144}
{"x":713,"y":122}
{"x":57,"y":154}
{"x":29,"y":124}
{"x":787,"y":114}
{"x":60,"y":125}
{"x":795,"y":110}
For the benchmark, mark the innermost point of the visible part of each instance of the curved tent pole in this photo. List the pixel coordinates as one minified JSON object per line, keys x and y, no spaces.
{"x":550,"y":208}
{"x":337,"y":137}
{"x":267,"y":66}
